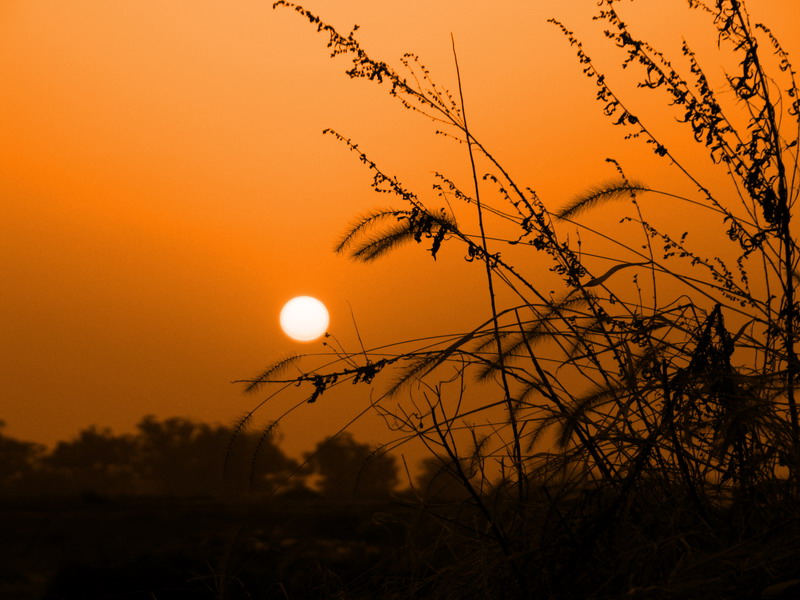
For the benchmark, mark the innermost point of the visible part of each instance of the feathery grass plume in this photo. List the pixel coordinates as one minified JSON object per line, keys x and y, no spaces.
{"x":367,"y":221}
{"x":365,"y":244}
{"x":274,"y":370}
{"x":239,"y":429}
{"x":381,"y":243}
{"x":421,"y":364}
{"x":601,"y":194}
{"x":265,"y":436}
{"x":542,"y":328}
{"x":576,"y":413}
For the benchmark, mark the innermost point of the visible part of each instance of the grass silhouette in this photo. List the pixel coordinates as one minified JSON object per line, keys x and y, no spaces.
{"x":636,"y":430}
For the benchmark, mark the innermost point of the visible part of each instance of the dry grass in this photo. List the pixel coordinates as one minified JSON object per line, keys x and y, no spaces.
{"x":637,"y":431}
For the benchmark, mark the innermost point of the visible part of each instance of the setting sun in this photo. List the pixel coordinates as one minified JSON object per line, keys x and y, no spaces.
{"x":304,"y":318}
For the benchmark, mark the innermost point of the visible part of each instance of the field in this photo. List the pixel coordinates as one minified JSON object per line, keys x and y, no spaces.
{"x":167,"y":548}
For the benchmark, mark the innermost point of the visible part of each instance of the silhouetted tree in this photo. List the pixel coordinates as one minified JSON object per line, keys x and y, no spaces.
{"x":180,"y":456}
{"x":176,"y":456}
{"x":347,"y":467}
{"x":18,"y":462}
{"x":96,"y":460}
{"x":170,"y":460}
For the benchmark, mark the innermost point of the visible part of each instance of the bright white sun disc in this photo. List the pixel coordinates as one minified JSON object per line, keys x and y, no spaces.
{"x":304,"y":318}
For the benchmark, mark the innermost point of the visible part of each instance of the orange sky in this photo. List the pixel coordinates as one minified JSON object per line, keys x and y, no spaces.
{"x":165,"y":187}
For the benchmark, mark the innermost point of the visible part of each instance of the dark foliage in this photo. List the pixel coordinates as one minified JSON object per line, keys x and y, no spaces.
{"x":171,"y":457}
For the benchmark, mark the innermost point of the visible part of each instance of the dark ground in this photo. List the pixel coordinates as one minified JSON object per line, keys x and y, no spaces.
{"x":304,"y":547}
{"x":168,"y":548}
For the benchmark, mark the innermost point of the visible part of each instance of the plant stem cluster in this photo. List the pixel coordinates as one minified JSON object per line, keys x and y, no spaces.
{"x":611,"y":417}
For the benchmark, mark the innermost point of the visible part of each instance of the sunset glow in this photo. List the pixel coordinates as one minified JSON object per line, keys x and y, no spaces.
{"x":164,"y":178}
{"x":553,"y":346}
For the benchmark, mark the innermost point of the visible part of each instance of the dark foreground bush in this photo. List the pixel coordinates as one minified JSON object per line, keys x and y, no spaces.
{"x":624,"y":421}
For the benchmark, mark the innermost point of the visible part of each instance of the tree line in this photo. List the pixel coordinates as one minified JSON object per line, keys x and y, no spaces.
{"x":181,"y":457}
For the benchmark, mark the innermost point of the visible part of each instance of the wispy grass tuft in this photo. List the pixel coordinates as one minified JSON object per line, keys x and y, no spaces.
{"x":600,"y":195}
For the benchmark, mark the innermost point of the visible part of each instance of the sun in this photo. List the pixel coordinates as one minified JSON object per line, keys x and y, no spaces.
{"x":304,"y":318}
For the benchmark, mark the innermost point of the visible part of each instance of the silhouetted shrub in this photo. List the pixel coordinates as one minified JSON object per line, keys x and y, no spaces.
{"x":634,"y":389}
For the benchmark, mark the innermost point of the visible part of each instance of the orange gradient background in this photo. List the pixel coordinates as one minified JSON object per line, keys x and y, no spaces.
{"x":165,"y":186}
